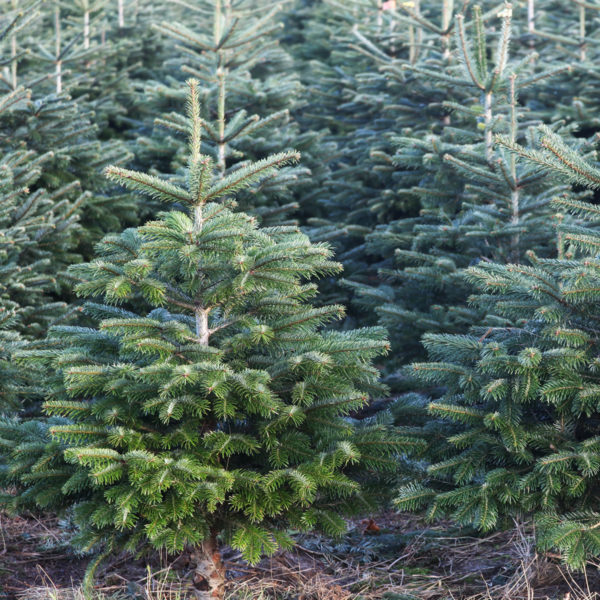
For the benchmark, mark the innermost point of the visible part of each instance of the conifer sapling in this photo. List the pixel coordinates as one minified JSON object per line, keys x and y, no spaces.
{"x":220,"y":415}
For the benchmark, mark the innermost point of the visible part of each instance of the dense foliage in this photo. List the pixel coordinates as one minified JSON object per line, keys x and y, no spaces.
{"x":177,"y":367}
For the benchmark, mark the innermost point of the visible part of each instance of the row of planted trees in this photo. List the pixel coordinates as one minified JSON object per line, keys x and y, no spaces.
{"x":198,"y":396}
{"x":198,"y":386}
{"x":485,"y":263}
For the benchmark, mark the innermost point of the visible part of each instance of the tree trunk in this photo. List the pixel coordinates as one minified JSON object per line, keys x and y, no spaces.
{"x":86,"y":29}
{"x":58,"y":40}
{"x":121,"y":13}
{"x":209,"y":571}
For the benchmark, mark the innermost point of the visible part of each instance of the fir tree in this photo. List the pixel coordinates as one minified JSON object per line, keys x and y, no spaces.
{"x":222,"y":412}
{"x":567,"y":31}
{"x":341,"y":50}
{"x":37,"y":236}
{"x":521,"y":388}
{"x":477,"y":201}
{"x":248,"y":89}
{"x":58,"y":125}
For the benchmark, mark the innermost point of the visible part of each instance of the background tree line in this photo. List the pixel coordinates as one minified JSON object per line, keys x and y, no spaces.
{"x":174,"y":179}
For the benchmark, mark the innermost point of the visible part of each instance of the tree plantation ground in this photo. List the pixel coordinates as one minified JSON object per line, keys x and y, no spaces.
{"x":299,"y":299}
{"x":435,"y":562}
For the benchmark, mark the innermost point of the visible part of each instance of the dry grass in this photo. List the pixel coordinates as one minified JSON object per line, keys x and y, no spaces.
{"x":158,"y":585}
{"x":427,"y":565}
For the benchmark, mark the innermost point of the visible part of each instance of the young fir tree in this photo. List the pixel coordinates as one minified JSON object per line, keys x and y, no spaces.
{"x":564,"y":32}
{"x":339,"y":47}
{"x":521,"y":388}
{"x":221,"y":414}
{"x":59,"y":125}
{"x":105,"y":78}
{"x":129,"y":54}
{"x":341,"y":51}
{"x":349,"y":56}
{"x":477,"y":201}
{"x":37,"y":235}
{"x":383,"y":97}
{"x":249,"y":87}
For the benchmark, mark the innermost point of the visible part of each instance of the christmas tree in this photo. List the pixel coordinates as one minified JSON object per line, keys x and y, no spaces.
{"x":569,"y":31}
{"x":342,"y":50}
{"x":202,"y":383}
{"x":37,"y":234}
{"x":248,"y":90}
{"x":222,"y":412}
{"x":521,"y":387}
{"x":59,"y":122}
{"x":477,"y":202}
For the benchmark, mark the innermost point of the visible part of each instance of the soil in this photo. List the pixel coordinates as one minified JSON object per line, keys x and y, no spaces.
{"x":33,"y":552}
{"x":388,"y":557}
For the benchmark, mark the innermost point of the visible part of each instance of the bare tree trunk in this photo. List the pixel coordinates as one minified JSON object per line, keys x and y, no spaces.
{"x":121,"y":13}
{"x":489,"y":136}
{"x":582,"y":33}
{"x":221,"y":144}
{"x":86,"y":29}
{"x":447,"y":11}
{"x":58,"y":47}
{"x":515,"y":199}
{"x":209,"y":571}
{"x":531,"y":17}
{"x":13,"y":66}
